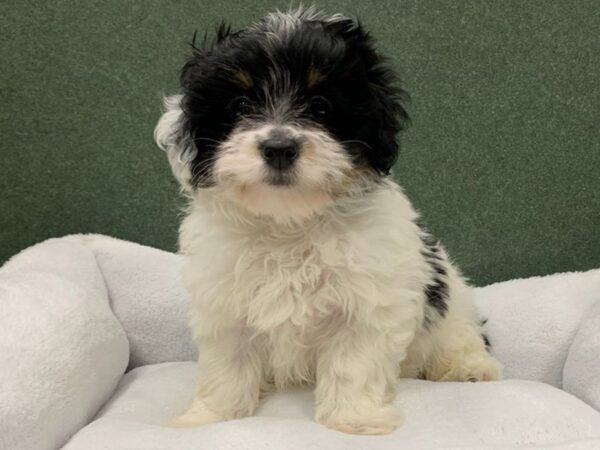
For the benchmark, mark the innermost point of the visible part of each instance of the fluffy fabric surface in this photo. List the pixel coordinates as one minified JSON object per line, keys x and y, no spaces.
{"x":148,"y":298}
{"x":581,"y":374}
{"x":62,"y":353}
{"x":509,"y":414}
{"x":532,"y":322}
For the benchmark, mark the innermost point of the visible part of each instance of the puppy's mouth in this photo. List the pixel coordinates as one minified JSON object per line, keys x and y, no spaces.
{"x":280,"y":178}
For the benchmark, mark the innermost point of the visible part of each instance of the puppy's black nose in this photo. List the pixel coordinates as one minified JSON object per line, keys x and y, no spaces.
{"x":279,"y":153}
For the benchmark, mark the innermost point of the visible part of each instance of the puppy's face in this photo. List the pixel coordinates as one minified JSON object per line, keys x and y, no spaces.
{"x":284,"y":117}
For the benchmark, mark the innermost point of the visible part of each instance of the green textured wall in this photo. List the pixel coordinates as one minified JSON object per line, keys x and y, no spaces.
{"x":502,"y":157}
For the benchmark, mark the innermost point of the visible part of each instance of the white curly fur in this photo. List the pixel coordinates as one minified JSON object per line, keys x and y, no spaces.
{"x":337,"y":301}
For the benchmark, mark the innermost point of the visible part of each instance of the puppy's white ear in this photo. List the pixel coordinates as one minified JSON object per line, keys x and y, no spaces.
{"x":174,"y":141}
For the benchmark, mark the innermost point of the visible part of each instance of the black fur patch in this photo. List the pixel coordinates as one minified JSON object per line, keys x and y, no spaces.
{"x":487,"y":342}
{"x":437,"y":290}
{"x":335,"y":59}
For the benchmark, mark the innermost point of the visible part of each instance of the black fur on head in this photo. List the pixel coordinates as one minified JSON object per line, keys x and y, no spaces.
{"x":302,"y":67}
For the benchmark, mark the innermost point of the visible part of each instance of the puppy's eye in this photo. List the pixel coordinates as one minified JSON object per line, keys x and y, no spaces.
{"x":319,"y":107}
{"x":241,"y":106}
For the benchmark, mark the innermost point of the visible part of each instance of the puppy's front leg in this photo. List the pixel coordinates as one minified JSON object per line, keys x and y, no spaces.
{"x":356,"y":376}
{"x":229,"y":377}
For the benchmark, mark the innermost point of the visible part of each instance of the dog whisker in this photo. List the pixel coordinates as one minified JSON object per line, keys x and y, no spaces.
{"x":356,"y":141}
{"x":212,"y":141}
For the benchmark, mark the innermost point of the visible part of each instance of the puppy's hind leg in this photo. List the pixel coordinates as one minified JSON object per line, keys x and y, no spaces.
{"x":460,"y":353}
{"x":229,"y":380}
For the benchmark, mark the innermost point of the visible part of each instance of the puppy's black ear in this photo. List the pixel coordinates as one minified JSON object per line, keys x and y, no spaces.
{"x":385,"y":109}
{"x":389,"y":113}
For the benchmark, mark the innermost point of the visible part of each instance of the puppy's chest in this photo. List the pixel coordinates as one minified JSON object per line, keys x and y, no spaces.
{"x":294,"y":285}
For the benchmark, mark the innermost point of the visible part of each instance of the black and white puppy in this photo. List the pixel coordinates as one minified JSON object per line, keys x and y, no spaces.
{"x":304,"y":260}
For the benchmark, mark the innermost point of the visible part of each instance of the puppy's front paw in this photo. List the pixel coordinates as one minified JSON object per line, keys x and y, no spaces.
{"x":198,"y":414}
{"x":382,"y":420}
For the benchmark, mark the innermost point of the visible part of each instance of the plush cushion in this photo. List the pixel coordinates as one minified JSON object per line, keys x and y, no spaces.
{"x":532,"y":322}
{"x":478,"y":415}
{"x":62,"y":351}
{"x":148,"y":298}
{"x":72,"y":310}
{"x":582,"y":368}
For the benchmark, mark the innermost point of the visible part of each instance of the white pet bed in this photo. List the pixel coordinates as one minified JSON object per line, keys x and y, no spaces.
{"x":95,"y":354}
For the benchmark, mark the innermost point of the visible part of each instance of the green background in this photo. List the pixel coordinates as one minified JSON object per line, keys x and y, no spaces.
{"x":502,"y":157}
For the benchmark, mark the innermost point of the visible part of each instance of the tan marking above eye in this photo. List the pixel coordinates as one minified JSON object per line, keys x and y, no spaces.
{"x":314,"y":77}
{"x":242,"y":78}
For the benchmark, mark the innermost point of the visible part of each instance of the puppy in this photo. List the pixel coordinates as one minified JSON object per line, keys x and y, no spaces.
{"x":304,"y":260}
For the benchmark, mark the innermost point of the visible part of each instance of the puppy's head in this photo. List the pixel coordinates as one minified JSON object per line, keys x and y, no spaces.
{"x":284,"y":117}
